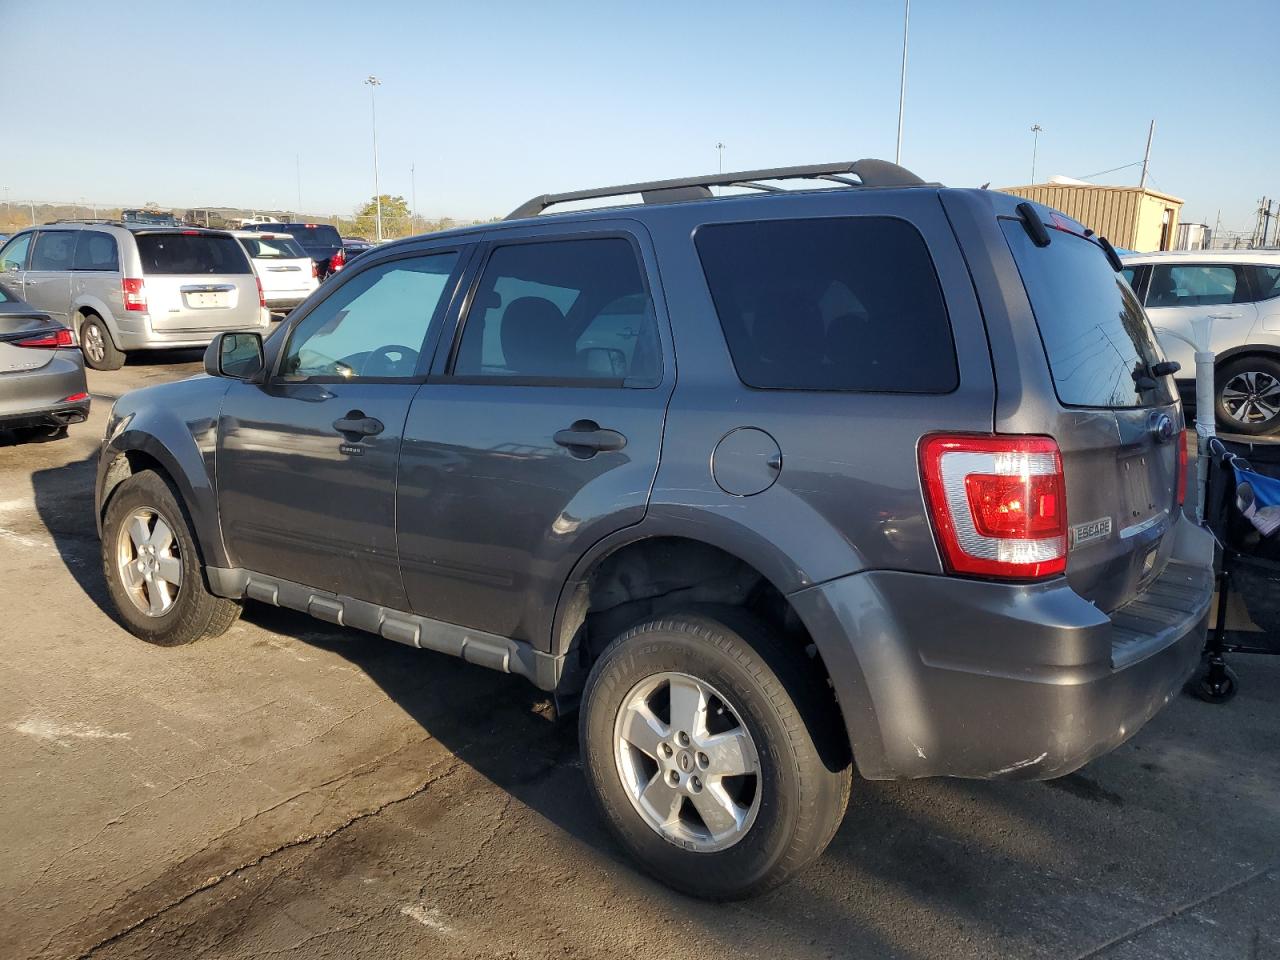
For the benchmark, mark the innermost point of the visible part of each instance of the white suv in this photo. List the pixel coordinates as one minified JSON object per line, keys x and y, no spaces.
{"x":1240,"y":290}
{"x":285,"y":271}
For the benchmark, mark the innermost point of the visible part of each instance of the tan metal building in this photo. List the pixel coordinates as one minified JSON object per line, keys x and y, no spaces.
{"x":1130,"y":217}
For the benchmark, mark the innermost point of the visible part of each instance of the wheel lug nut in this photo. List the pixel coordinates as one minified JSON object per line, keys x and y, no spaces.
{"x":704,"y":761}
{"x":683,"y":738}
{"x":673,"y":777}
{"x":695,"y":784}
{"x":666,"y":750}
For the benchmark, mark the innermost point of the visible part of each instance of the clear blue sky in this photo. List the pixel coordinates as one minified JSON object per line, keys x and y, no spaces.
{"x":191,"y":104}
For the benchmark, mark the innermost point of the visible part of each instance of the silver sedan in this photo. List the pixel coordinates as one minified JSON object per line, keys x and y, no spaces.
{"x":42,"y":383}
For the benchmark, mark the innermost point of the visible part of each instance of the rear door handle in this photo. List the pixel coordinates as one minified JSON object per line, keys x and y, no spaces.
{"x":356,"y":424}
{"x":586,"y":438}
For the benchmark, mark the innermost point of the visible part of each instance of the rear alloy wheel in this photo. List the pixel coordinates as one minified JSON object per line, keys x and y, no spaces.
{"x":715,"y":752}
{"x":99,"y":349}
{"x":153,"y":568}
{"x":1249,"y":396}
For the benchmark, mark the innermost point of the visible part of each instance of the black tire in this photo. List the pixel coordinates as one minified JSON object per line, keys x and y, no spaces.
{"x":94,"y":333}
{"x":193,"y":612}
{"x":1263,"y":373}
{"x":784,"y":703}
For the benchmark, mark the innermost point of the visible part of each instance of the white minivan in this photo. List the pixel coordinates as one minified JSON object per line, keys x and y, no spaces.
{"x":287,"y":273}
{"x":1240,"y":291}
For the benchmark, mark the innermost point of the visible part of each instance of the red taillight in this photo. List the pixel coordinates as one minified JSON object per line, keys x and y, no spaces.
{"x":262,"y":297}
{"x":998,"y":504}
{"x":75,"y":398}
{"x":190,"y":233}
{"x":135,"y":298}
{"x":338,"y":260}
{"x":49,"y":341}
{"x":1182,"y":467}
{"x":315,"y":271}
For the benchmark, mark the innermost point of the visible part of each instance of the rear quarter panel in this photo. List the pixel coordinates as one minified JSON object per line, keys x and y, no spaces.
{"x":848,"y":495}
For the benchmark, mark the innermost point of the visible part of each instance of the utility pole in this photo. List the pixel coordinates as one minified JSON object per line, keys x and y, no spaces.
{"x":1146,"y":157}
{"x":374,"y":83}
{"x":297,"y":170}
{"x":719,"y":163}
{"x":902,"y":80}
{"x":1036,"y":130}
{"x":413,"y":197}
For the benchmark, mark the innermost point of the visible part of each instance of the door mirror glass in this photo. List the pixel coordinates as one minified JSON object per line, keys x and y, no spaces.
{"x":235,"y":355}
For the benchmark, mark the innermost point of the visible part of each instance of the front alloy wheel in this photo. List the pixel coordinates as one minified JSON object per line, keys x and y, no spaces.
{"x":149,"y":561}
{"x":1252,"y":397}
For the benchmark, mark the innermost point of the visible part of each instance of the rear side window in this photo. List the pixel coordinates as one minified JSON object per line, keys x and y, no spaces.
{"x":53,"y":250}
{"x":96,"y":251}
{"x":14,"y":254}
{"x":273,"y":248}
{"x":565,"y":310}
{"x":832,"y":304}
{"x":1196,"y":285}
{"x":1096,"y":336}
{"x":183,"y":254}
{"x":1266,"y":282}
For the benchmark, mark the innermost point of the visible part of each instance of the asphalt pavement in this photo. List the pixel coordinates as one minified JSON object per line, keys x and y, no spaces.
{"x":296,"y":790}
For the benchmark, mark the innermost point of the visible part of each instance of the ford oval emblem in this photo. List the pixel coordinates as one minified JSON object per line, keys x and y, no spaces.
{"x":1162,"y":427}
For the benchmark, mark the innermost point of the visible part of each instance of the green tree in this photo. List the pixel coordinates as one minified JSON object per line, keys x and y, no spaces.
{"x":395,"y":218}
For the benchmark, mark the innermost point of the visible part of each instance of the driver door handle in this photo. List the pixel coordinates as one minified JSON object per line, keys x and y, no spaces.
{"x":356,"y":424}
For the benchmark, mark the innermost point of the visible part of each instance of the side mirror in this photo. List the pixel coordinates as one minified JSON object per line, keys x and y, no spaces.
{"x":236,"y":355}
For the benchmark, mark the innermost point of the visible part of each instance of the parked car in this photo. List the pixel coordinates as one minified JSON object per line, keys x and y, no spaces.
{"x":256,"y":219}
{"x":320,"y":240}
{"x":42,"y":384}
{"x":285,"y":271}
{"x":352,"y":247}
{"x":131,"y":287}
{"x":914,"y":499}
{"x":149,"y":218}
{"x":1240,"y":291}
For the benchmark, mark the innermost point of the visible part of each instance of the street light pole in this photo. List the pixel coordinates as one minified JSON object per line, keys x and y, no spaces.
{"x":374,"y":83}
{"x":902,"y":80}
{"x":719,"y":162}
{"x":1036,"y":130}
{"x":413,"y":197}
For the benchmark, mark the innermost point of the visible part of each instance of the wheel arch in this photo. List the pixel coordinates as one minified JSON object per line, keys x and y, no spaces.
{"x":135,"y":450}
{"x":645,"y":571}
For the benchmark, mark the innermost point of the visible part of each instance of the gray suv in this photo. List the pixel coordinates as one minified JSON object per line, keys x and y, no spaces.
{"x":131,"y":286}
{"x":765,"y":484}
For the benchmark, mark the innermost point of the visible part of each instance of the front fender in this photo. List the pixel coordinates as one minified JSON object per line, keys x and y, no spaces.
{"x":175,"y":425}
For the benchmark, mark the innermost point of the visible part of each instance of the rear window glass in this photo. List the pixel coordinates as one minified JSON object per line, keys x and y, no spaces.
{"x":180,"y":253}
{"x":831,"y":304}
{"x":273,"y":248}
{"x":1096,"y":336}
{"x":317,"y":236}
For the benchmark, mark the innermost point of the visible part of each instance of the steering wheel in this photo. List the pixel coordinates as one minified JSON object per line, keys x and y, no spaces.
{"x":382,"y":361}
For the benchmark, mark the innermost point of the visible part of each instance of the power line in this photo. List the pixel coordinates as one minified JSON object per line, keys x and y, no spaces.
{"x":1100,"y":173}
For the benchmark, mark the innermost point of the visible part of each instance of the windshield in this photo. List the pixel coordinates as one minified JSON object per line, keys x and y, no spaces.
{"x":191,"y":253}
{"x":273,"y":248}
{"x":314,"y":237}
{"x":1098,"y":341}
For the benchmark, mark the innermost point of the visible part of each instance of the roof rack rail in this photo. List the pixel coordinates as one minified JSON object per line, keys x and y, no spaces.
{"x":83,"y":220}
{"x":869,"y":173}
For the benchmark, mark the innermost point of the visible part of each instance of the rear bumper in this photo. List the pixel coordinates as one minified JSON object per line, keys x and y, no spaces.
{"x":35,"y":398}
{"x":139,"y":334}
{"x":939,"y":676}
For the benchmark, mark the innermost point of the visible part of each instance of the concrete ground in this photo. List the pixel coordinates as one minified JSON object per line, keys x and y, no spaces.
{"x":295,"y":790}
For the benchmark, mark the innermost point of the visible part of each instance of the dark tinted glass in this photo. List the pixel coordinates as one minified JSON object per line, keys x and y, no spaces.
{"x":54,"y":250}
{"x":180,"y":253}
{"x":570,"y":310}
{"x":316,"y":237}
{"x":1096,"y":336}
{"x":96,"y":251}
{"x":834,"y":304}
{"x":1266,"y":282}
